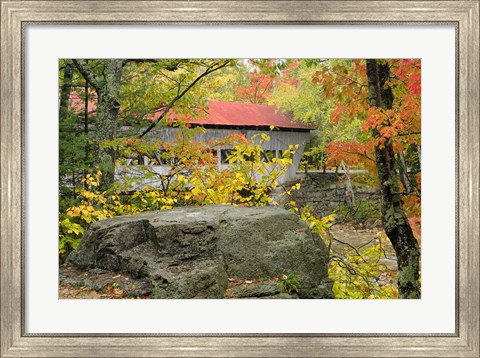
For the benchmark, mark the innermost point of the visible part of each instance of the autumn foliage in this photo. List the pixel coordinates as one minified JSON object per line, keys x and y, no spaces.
{"x":346,"y":83}
{"x":333,"y":95}
{"x":257,"y":90}
{"x":192,"y":177}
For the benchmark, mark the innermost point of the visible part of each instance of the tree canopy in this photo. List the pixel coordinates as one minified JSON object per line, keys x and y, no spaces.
{"x":365,"y":114}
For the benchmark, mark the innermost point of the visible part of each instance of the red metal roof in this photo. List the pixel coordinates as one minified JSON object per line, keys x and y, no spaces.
{"x":239,"y":114}
{"x":220,"y":113}
{"x":242,"y":114}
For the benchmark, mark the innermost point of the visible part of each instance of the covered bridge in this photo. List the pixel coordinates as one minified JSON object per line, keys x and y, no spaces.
{"x":226,"y":118}
{"x":222,"y":119}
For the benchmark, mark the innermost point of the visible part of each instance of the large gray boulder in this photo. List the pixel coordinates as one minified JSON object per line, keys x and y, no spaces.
{"x":200,"y":252}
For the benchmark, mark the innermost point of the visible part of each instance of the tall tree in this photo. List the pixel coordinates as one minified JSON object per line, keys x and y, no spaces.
{"x":257,"y":89}
{"x":395,"y":220}
{"x":248,"y":80}
{"x":72,"y":140}
{"x":151,"y":90}
{"x":385,"y":97}
{"x":66,"y":171}
{"x":295,"y":92}
{"x":222,"y":85}
{"x":106,"y":85}
{"x":66,"y":88}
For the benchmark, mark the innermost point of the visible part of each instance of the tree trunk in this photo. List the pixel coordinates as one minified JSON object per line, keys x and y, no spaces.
{"x":85,"y":129}
{"x":106,"y":121}
{"x":85,"y":113}
{"x":394,"y":219}
{"x":66,"y":88}
{"x":404,"y":173}
{"x":64,"y":115}
{"x":349,"y":194}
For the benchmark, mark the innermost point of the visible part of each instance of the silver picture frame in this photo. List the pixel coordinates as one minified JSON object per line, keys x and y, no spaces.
{"x":16,"y":15}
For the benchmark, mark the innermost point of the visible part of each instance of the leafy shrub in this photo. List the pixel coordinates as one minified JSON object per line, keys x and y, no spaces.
{"x":70,"y":235}
{"x":289,"y":283}
{"x":359,"y":273}
{"x":364,"y":180}
{"x":193,"y":179}
{"x":362,"y":211}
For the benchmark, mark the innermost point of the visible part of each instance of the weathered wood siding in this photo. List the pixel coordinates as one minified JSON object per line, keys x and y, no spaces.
{"x":279,"y":141}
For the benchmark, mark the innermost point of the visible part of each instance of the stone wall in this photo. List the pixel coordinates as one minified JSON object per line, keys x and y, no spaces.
{"x":325,"y":192}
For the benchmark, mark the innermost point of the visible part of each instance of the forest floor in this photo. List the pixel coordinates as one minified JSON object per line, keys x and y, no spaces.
{"x":348,"y":235}
{"x":78,"y":284}
{"x":123,"y":287}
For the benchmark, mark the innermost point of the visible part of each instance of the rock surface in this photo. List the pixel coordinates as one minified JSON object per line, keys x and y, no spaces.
{"x":197,"y":252}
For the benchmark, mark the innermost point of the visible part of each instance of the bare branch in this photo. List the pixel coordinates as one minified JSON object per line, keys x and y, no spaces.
{"x":352,"y":247}
{"x":211,"y":69}
{"x":140,"y":60}
{"x":86,"y":73}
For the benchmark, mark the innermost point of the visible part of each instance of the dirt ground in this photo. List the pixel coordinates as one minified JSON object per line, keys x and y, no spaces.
{"x":96,"y":284}
{"x":346,"y":234}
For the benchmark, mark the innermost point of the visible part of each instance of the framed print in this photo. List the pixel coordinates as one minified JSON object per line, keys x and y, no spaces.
{"x":41,"y":41}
